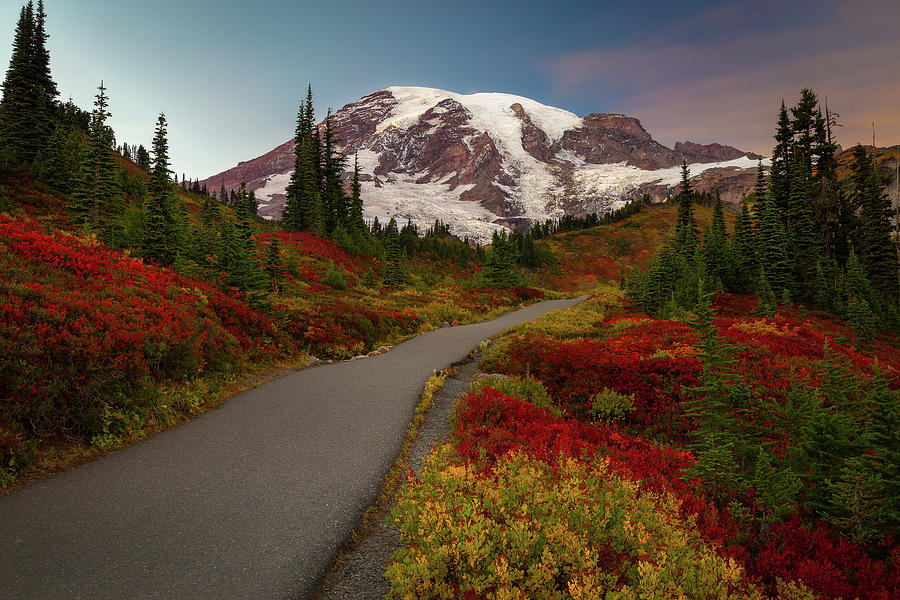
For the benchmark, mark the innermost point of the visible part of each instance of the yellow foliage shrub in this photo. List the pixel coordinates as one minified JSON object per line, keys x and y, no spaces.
{"x":532,"y":530}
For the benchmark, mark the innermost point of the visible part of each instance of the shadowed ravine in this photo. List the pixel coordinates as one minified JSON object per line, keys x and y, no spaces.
{"x":251,"y":500}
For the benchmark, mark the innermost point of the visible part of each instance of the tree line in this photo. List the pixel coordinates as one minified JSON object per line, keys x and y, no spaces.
{"x":74,"y":152}
{"x":800,"y":235}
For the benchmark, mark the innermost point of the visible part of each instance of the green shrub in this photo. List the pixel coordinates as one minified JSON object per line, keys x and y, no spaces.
{"x":620,"y":246}
{"x":334,"y":278}
{"x":369,"y":281}
{"x":610,"y":405}
{"x":5,"y":202}
{"x":524,"y":388}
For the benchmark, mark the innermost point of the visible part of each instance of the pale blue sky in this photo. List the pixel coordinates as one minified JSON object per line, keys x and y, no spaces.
{"x":229,"y":74}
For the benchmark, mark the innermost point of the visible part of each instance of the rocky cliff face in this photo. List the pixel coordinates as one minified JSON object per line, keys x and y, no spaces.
{"x":700,"y":153}
{"x":482,"y":161}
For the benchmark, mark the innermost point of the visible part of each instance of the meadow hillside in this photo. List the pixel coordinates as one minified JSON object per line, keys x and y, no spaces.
{"x":101,"y":347}
{"x":614,"y":454}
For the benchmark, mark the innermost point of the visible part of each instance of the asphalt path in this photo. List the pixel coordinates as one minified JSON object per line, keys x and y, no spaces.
{"x":250,"y":501}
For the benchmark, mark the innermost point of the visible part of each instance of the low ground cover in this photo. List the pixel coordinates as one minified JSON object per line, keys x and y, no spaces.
{"x":608,"y":486}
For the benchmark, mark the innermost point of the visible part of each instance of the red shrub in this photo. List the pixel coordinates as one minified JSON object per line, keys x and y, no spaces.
{"x":573,"y":372}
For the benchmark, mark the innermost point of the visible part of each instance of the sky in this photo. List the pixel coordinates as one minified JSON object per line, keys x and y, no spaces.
{"x":229,"y":74}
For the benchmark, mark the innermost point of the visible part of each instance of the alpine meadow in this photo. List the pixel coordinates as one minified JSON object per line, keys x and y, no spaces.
{"x":656,"y":372}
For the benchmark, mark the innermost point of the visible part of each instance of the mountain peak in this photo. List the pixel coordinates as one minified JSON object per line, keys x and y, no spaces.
{"x":487,"y":160}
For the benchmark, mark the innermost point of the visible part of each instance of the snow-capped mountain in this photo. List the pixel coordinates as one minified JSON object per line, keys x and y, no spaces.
{"x":482,"y":161}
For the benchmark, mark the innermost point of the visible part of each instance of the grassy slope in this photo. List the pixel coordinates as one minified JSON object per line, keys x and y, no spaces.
{"x":99,"y":349}
{"x":591,"y":256}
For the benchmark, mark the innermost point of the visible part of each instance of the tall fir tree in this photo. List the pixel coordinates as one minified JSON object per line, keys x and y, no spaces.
{"x":716,"y":252}
{"x":760,"y":192}
{"x":829,"y":204}
{"x":337,"y":210}
{"x":142,"y":158}
{"x":29,"y":92}
{"x":357,"y":222}
{"x":882,"y":436}
{"x":394,"y":274}
{"x":43,"y":80}
{"x":685,"y":228}
{"x":779,"y":175}
{"x":501,"y":264}
{"x":20,"y":103}
{"x":802,"y":233}
{"x":773,"y":249}
{"x":311,"y":205}
{"x":293,"y":216}
{"x":873,"y":241}
{"x":274,"y":267}
{"x":808,"y":127}
{"x":161,"y":241}
{"x":97,"y":194}
{"x":55,"y":168}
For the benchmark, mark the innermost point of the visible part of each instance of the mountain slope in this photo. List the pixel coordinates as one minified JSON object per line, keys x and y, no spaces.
{"x":481,"y":161}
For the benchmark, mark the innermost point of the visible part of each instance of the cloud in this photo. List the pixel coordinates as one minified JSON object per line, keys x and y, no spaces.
{"x":727,"y":87}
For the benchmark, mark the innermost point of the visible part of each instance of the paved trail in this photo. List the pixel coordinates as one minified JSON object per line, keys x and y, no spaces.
{"x":248,"y":501}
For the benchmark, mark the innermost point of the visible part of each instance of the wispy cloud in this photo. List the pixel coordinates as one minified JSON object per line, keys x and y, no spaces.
{"x":720,"y":76}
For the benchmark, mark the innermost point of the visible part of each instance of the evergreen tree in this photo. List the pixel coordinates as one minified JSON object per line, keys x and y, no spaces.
{"x":808,"y":127}
{"x":293,"y":218}
{"x":394,"y":274}
{"x":161,"y":243}
{"x":777,"y":491}
{"x":311,"y":202}
{"x":6,"y":204}
{"x":337,"y":210}
{"x":854,"y":282}
{"x":43,"y":81}
{"x":685,"y":229}
{"x":20,"y":103}
{"x":760,"y":193}
{"x":823,"y":291}
{"x":243,"y":207}
{"x":882,"y":437}
{"x":209,"y":212}
{"x":773,"y":249}
{"x":858,"y":498}
{"x":826,"y":443}
{"x":29,"y":92}
{"x":357,"y":223}
{"x":829,"y":205}
{"x":501,"y":265}
{"x":873,"y":241}
{"x":274,"y":267}
{"x":205,"y":244}
{"x":715,"y":245}
{"x":344,"y":240}
{"x":55,"y":168}
{"x":528,"y":257}
{"x":376,"y":228}
{"x":238,"y":260}
{"x":716,"y":444}
{"x":743,"y":245}
{"x":767,"y":302}
{"x":863,"y":322}
{"x":802,"y":232}
{"x":142,"y":158}
{"x":779,"y":176}
{"x":96,"y":197}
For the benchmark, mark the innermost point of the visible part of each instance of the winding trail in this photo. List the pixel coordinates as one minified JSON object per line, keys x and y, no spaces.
{"x":248,"y":501}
